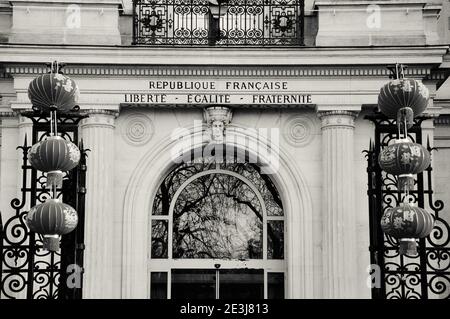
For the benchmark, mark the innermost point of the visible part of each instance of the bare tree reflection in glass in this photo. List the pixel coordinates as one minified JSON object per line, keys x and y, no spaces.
{"x":218,"y":215}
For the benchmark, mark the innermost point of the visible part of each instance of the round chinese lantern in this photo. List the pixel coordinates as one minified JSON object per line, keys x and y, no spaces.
{"x":52,"y":219}
{"x":53,"y":91}
{"x":404,"y":158}
{"x":54,"y":155}
{"x":406,"y":223}
{"x":403,"y":93}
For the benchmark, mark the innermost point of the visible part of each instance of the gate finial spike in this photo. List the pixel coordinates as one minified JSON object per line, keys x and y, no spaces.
{"x":25,"y":140}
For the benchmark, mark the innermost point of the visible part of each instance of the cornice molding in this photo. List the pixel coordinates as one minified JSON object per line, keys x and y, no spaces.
{"x":247,"y":56}
{"x":419,"y":71}
{"x":8,"y":114}
{"x":4,"y":74}
{"x":442,"y":120}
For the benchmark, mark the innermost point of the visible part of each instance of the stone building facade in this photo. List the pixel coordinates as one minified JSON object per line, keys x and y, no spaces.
{"x":311,"y":98}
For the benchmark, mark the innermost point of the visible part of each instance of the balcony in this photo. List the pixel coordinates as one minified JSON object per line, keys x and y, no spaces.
{"x":218,"y":22}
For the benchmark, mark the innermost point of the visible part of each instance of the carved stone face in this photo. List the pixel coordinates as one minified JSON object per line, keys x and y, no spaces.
{"x":217,"y":128}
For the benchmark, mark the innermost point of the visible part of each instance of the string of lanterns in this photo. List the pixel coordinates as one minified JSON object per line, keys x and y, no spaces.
{"x":404,"y":99}
{"x":53,"y":93}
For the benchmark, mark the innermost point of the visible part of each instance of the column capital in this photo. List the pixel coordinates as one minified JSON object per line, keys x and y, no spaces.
{"x":99,"y":118}
{"x":101,"y":111}
{"x":25,"y":121}
{"x":337,"y":118}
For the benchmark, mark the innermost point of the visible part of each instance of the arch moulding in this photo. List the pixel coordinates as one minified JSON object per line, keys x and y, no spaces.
{"x":157,"y":163}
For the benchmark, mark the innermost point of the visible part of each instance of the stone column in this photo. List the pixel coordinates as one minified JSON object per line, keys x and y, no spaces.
{"x":10,"y":158}
{"x":339,"y":213}
{"x":97,"y":132}
{"x":10,"y":181}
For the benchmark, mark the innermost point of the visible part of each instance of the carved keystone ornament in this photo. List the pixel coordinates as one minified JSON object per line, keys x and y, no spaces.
{"x":217,"y":118}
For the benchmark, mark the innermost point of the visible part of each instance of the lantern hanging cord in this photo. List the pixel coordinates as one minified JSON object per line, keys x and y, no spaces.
{"x":51,"y":123}
{"x":406,"y":199}
{"x":56,"y":123}
{"x":406,"y":127}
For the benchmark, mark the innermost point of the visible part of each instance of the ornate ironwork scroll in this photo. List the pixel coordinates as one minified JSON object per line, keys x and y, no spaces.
{"x":218,"y":22}
{"x":26,"y":270}
{"x":426,"y":275}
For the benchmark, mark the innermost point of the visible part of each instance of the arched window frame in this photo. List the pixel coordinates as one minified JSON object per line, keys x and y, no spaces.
{"x":268,"y":265}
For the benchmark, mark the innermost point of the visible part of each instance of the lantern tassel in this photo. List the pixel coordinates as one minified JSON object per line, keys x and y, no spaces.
{"x":51,"y":242}
{"x":405,"y":119}
{"x":408,"y":246}
{"x":54,"y":179}
{"x":405,"y":182}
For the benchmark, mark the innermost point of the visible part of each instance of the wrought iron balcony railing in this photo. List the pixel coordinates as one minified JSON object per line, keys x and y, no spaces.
{"x":218,"y":22}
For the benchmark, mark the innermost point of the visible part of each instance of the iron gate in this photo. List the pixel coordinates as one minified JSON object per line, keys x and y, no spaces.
{"x":426,"y":275}
{"x":26,"y":270}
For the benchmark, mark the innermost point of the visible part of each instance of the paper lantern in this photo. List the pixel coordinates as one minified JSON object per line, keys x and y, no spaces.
{"x":54,"y":155}
{"x":52,"y":219}
{"x":406,"y":223}
{"x":403,"y":93}
{"x":53,"y":91}
{"x":404,"y":158}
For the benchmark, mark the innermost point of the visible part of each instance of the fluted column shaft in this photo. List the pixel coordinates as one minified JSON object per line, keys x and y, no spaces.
{"x":339,"y":221}
{"x":9,"y":159}
{"x":98,"y":136}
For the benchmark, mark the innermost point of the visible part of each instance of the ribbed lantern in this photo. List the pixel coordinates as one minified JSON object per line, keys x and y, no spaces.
{"x":53,"y":91}
{"x":54,"y":155}
{"x":52,"y":219}
{"x":406,"y":223}
{"x":404,"y":158}
{"x":401,"y":94}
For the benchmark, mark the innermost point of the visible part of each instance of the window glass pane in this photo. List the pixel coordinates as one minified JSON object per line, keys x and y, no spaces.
{"x":159,"y":238}
{"x":173,"y":181}
{"x":193,"y":284}
{"x":275,"y":239}
{"x":262,"y":182}
{"x":158,"y":283}
{"x":250,"y":171}
{"x":241,"y":284}
{"x":217,"y":216}
{"x":275,"y":285}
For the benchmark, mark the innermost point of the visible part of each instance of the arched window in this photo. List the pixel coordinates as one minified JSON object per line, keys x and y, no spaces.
{"x":217,"y":231}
